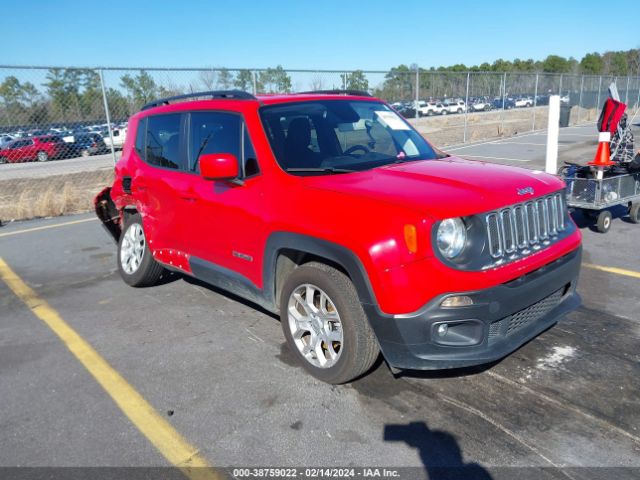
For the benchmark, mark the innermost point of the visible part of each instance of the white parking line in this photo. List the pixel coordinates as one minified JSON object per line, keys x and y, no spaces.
{"x":499,"y":158}
{"x":524,"y":143}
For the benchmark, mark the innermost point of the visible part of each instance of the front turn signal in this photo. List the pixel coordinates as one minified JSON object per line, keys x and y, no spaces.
{"x":411,"y":238}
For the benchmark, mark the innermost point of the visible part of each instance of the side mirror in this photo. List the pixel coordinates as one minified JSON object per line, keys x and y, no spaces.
{"x":219,"y":166}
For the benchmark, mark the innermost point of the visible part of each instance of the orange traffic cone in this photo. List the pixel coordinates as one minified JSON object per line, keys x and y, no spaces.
{"x":603,"y":155}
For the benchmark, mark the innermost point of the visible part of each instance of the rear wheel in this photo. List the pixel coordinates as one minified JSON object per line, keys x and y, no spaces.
{"x":3,"y":160}
{"x":324,"y":324}
{"x":43,"y":156}
{"x":634,"y":213}
{"x":603,"y":224}
{"x":444,"y":112}
{"x":459,"y":110}
{"x":136,"y":264}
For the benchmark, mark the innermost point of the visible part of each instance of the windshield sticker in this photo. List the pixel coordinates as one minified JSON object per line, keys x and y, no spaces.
{"x":392,"y":120}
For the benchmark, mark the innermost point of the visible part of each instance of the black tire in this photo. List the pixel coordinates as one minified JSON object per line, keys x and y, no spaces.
{"x":149,"y":271}
{"x":359,"y":348}
{"x":85,"y":153}
{"x":603,"y":224}
{"x":634,"y":213}
{"x":444,"y":112}
{"x":42,"y":156}
{"x":430,"y":113}
{"x":459,"y":110}
{"x":3,"y":160}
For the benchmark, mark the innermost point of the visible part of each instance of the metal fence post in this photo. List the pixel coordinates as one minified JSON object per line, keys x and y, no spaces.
{"x":535,"y":104}
{"x":504,"y":94}
{"x":598,"y":100}
{"x":255,"y":81}
{"x":626,"y":93}
{"x":106,"y":111}
{"x":417,"y":90}
{"x":466,"y":111}
{"x":560,"y":87}
{"x":580,"y":100}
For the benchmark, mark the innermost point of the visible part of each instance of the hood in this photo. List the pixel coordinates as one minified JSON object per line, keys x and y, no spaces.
{"x":445,"y":188}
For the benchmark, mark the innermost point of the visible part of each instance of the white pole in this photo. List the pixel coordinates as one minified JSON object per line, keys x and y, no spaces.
{"x":553,"y":131}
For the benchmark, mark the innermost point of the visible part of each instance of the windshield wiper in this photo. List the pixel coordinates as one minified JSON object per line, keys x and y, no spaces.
{"x":319,"y":170}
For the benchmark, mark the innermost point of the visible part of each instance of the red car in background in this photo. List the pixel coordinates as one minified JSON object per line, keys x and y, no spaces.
{"x":30,"y":149}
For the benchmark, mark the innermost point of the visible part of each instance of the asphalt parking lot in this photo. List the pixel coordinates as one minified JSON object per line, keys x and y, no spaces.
{"x":216,"y":369}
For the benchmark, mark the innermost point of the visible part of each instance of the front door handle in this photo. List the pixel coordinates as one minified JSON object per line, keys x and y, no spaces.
{"x":188,"y":196}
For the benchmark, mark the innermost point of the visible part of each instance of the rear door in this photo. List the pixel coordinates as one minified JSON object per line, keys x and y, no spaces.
{"x":159,"y":180}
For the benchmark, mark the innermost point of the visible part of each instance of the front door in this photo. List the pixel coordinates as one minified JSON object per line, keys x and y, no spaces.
{"x":226,"y":220}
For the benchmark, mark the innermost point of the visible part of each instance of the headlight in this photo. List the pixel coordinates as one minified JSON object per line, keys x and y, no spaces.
{"x":451,"y":237}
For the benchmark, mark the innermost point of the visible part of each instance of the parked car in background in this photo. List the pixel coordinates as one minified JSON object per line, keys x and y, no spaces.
{"x":508,"y":103}
{"x":431,"y":108}
{"x":5,"y":139}
{"x":407,"y":112}
{"x":480,"y":105}
{"x":542,"y":100}
{"x":33,"y":148}
{"x":453,"y":106}
{"x":119,"y":135}
{"x":522,"y":102}
{"x":87,"y":144}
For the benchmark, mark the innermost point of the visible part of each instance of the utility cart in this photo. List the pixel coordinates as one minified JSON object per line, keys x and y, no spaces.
{"x":595,"y":197}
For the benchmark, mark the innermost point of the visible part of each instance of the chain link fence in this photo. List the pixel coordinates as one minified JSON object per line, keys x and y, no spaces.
{"x":62,"y":129}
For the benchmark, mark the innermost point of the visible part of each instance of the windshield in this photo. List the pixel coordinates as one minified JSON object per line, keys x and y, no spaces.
{"x":340,"y":136}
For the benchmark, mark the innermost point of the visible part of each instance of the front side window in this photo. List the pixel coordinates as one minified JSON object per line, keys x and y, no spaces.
{"x":163,"y":141}
{"x":213,"y":132}
{"x":325,"y":135}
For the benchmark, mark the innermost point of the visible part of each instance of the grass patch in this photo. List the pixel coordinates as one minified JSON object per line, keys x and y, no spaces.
{"x":25,"y":198}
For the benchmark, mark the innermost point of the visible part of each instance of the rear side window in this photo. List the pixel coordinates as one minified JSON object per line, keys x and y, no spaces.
{"x":163,"y":141}
{"x":140,"y":137}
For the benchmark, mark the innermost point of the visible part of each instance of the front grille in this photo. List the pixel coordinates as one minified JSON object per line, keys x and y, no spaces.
{"x":519,"y":229}
{"x":517,"y":321}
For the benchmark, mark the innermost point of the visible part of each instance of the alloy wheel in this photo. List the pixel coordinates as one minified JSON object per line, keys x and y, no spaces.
{"x":132,"y":248}
{"x":315,"y":326}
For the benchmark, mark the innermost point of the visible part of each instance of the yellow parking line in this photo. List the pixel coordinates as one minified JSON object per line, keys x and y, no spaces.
{"x":153,"y":426}
{"x":46,"y":227}
{"x":617,"y":271}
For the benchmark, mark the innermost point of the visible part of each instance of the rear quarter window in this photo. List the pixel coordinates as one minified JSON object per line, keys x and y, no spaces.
{"x":141,"y":137}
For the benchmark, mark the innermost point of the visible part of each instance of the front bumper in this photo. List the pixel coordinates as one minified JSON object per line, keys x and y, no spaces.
{"x":500,"y":321}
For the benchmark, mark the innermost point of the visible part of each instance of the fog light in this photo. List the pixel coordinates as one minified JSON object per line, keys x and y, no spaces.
{"x":457,"y":301}
{"x":443,"y":329}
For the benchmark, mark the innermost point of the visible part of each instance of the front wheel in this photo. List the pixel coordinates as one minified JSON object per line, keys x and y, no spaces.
{"x":43,"y":156}
{"x":136,"y":264}
{"x":603,"y":224}
{"x":634,"y":213}
{"x":324,"y":324}
{"x":444,"y":112}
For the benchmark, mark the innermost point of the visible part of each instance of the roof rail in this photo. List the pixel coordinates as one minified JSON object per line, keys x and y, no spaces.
{"x":231,"y":94}
{"x":359,"y":93}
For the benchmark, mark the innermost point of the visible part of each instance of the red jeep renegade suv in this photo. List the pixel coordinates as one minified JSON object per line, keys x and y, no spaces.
{"x":329,"y":209}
